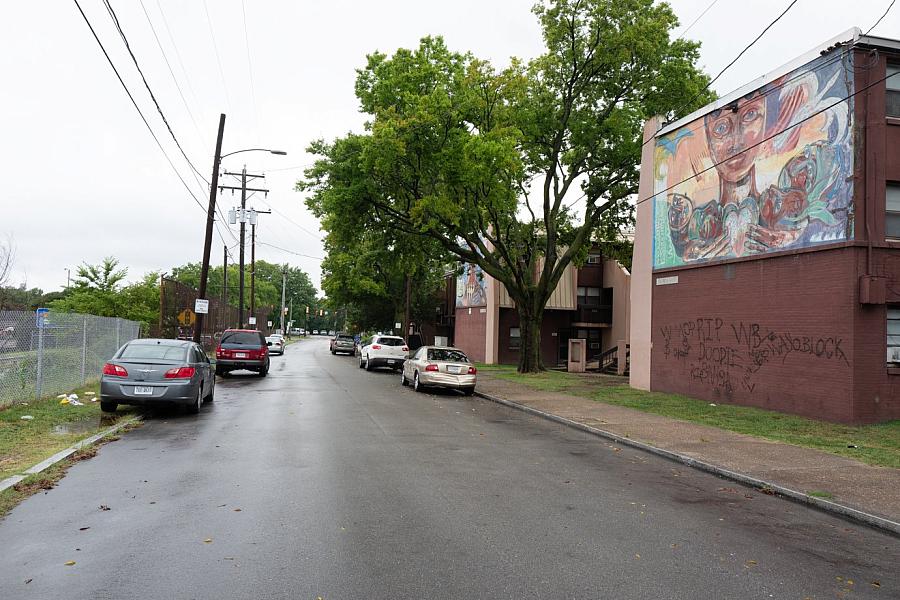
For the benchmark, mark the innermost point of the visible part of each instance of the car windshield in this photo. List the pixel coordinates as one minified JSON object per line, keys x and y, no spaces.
{"x":345,"y":338}
{"x":154,"y":351}
{"x":390,"y":341}
{"x":446,"y":355}
{"x":243,"y":338}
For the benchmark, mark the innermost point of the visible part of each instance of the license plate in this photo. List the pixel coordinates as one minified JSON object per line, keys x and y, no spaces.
{"x":143,"y":391}
{"x":390,"y":362}
{"x":456,"y":370}
{"x":240,"y":355}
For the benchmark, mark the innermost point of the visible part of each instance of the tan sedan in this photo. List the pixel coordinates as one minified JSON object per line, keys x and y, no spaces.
{"x":439,"y":366}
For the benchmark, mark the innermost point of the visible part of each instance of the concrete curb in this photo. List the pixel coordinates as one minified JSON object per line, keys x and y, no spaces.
{"x":840,"y":510}
{"x":63,"y":454}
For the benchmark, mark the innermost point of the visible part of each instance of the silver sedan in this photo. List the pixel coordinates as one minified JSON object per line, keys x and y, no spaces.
{"x":156,"y":371}
{"x":439,"y":366}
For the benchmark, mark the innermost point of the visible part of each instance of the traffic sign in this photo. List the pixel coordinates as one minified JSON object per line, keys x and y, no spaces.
{"x":201,"y":306}
{"x":40,"y":316}
{"x":252,"y":320}
{"x":187,"y":317}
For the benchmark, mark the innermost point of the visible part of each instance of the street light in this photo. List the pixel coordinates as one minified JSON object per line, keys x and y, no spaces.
{"x":211,"y":214}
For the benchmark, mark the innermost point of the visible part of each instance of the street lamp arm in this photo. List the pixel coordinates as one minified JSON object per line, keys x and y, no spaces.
{"x":279,"y":152}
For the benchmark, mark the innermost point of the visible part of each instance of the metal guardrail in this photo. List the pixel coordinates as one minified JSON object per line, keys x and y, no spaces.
{"x":62,"y":352}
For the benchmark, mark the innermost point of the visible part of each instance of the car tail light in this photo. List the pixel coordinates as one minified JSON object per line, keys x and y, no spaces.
{"x":376,"y":347}
{"x":180,"y":373}
{"x":472,"y":370}
{"x":431,"y":367}
{"x":405,"y":349}
{"x":115,"y":370}
{"x":219,"y":351}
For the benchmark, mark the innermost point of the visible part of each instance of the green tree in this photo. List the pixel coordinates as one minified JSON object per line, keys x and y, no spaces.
{"x":488,"y":163}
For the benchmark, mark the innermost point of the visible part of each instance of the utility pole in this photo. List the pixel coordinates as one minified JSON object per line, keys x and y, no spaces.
{"x":253,"y":217}
{"x":210,"y":219}
{"x":243,"y":218}
{"x":284,"y":272}
{"x":224,"y":287}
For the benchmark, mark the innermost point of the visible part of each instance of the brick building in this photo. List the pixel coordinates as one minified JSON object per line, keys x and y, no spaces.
{"x":589,"y":303}
{"x":766,"y":269}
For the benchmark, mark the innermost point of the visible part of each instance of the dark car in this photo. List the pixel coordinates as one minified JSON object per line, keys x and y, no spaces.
{"x":343,"y":342}
{"x":242,"y":349}
{"x":153,"y":371}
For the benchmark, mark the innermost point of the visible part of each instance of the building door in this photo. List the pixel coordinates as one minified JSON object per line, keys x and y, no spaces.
{"x":562,"y":337}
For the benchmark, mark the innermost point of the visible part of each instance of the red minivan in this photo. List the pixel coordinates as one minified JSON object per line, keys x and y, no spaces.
{"x":242,"y":349}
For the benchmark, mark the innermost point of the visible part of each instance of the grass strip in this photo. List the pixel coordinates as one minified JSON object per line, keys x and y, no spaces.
{"x":877,"y":444}
{"x":53,"y":427}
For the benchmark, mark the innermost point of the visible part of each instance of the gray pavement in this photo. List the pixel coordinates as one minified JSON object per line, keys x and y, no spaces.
{"x":323,"y":480}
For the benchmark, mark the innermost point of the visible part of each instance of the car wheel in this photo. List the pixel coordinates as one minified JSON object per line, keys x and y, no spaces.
{"x":212,"y":391}
{"x":333,"y":352}
{"x":195,"y":407}
{"x":220,"y":372}
{"x":368,"y":363}
{"x":108,"y":406}
{"x":416,"y":385}
{"x":264,"y":371}
{"x":361,"y":365}
{"x":468,"y":391}
{"x":403,"y":380}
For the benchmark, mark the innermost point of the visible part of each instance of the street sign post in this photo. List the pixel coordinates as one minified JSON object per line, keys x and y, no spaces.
{"x":251,"y":320}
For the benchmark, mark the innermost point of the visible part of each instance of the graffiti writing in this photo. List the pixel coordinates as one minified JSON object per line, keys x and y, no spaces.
{"x":727,"y":356}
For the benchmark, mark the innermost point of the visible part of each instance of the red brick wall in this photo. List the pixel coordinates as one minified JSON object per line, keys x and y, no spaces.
{"x":470,"y":332}
{"x":777,"y":334}
{"x":554,"y":321}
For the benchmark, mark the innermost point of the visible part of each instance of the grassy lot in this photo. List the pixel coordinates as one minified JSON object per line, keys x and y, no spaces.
{"x":55,"y":426}
{"x":875,"y":444}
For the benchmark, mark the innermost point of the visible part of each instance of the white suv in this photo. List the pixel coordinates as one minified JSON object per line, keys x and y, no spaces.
{"x":383,"y":351}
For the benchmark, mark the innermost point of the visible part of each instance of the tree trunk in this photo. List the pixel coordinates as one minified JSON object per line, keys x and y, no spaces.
{"x":530,"y":342}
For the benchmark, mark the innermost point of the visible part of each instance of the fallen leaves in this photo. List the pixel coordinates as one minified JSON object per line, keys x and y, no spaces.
{"x":104,"y":507}
{"x":83,"y":528}
{"x":207,"y":541}
{"x":69,"y":563}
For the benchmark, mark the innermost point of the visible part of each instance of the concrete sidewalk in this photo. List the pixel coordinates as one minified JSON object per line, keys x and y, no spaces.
{"x":853,"y":485}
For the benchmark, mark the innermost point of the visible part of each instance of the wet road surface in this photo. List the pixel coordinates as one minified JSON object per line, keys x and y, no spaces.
{"x":323,"y":480}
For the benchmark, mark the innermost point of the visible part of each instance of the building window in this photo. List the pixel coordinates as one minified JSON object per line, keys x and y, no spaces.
{"x":892,"y":97}
{"x":892,"y":214}
{"x":588,"y":296}
{"x":594,"y":259}
{"x":893,"y":334}
{"x":515,"y":338}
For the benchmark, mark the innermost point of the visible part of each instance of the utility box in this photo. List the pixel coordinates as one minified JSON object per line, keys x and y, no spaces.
{"x":577,"y":356}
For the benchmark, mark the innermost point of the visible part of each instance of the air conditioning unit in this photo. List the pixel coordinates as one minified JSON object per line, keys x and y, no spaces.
{"x":893,"y":354}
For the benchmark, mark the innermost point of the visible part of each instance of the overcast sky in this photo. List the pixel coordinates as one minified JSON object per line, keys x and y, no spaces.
{"x":84,"y":178}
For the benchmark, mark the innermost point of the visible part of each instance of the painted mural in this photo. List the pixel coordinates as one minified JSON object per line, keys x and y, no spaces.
{"x":768,"y":172}
{"x":470,"y":287}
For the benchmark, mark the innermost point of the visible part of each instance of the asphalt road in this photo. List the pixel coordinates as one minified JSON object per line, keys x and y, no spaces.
{"x":322,"y":480}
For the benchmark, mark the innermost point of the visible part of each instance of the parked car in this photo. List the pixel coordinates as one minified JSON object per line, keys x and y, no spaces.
{"x":439,"y":366}
{"x":275,"y":344}
{"x":343,"y":342}
{"x":315,"y":332}
{"x":382,"y":351}
{"x":242,"y":349}
{"x":155,"y":371}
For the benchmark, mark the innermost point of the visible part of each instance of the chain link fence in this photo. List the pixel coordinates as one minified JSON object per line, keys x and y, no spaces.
{"x":69,"y":351}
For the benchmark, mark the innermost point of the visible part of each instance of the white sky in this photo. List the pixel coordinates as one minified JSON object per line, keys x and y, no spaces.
{"x":84,"y":179}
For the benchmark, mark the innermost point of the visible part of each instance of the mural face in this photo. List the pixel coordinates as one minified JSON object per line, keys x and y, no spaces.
{"x":768,"y":172}
{"x":470,"y":287}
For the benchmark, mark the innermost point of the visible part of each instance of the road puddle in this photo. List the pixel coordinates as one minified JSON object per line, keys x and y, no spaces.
{"x":78,"y":427}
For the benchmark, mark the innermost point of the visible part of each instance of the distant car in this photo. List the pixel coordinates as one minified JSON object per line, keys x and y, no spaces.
{"x":439,"y":366}
{"x":242,"y":349}
{"x":302,"y":331}
{"x":331,"y":332}
{"x":382,"y":351}
{"x":155,"y":371}
{"x":275,"y":344}
{"x":343,"y":342}
{"x":315,"y":332}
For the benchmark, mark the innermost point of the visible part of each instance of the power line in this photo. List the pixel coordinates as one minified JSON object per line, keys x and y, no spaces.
{"x":289,"y":220}
{"x":184,"y":72}
{"x":700,"y":16}
{"x":171,"y":72}
{"x":137,"y":108}
{"x":890,"y":6}
{"x":250,"y":68}
{"x":115,"y":20}
{"x":766,"y":139}
{"x":218,"y":59}
{"x":289,"y":251}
